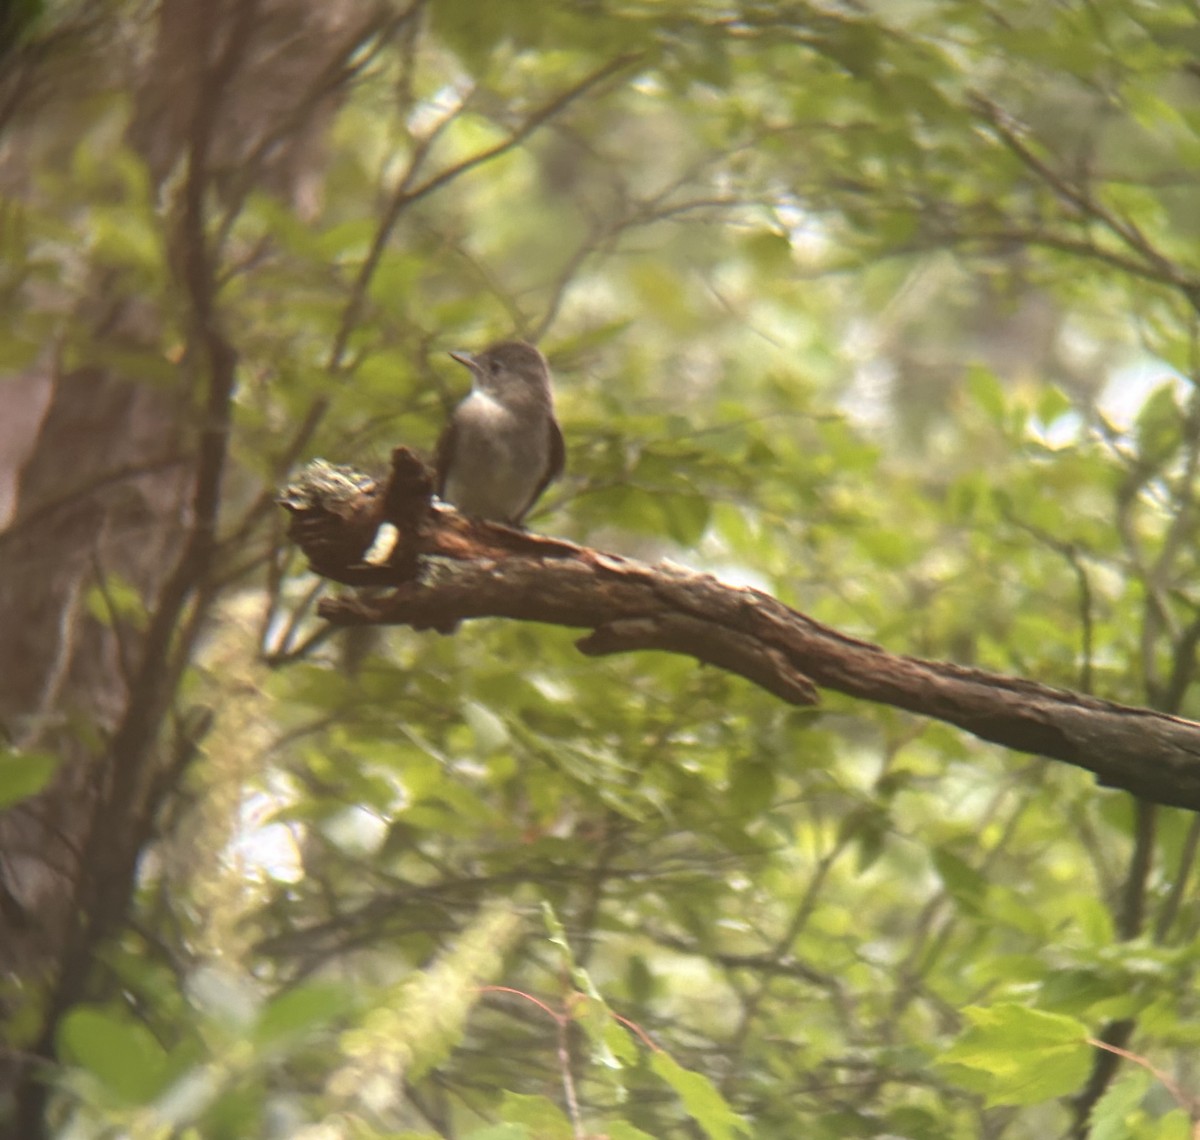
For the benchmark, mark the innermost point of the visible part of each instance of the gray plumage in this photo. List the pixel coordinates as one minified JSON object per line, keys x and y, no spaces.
{"x":502,"y":446}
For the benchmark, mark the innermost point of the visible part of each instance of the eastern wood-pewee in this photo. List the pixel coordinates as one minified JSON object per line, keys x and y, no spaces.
{"x":502,"y":445}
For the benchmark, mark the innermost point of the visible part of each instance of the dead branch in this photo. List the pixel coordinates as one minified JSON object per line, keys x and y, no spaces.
{"x":445,"y":569}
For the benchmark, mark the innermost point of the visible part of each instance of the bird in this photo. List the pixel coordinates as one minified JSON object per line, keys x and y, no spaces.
{"x":502,"y":445}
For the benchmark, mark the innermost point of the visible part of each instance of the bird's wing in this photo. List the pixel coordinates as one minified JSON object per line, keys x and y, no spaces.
{"x":558,"y":455}
{"x":554,"y":466}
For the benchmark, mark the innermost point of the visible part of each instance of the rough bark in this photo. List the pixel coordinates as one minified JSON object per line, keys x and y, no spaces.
{"x":486,"y":570}
{"x":110,"y":488}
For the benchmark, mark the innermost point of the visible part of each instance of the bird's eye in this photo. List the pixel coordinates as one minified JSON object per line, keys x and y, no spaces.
{"x":494,"y":367}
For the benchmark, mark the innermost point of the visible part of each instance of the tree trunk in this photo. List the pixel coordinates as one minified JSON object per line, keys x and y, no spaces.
{"x":100,"y":477}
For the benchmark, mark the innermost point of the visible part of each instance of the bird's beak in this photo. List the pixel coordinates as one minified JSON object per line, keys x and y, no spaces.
{"x":464,"y":358}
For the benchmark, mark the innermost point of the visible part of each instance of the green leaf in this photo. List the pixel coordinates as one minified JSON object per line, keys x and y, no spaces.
{"x":125,"y":237}
{"x":963,"y":883}
{"x":1053,"y":403}
{"x":619,"y":1130}
{"x":988,"y":393}
{"x":703,"y":1103}
{"x":619,"y":1043}
{"x":23,"y":774}
{"x":120,"y":1053}
{"x":915,"y":1122}
{"x":491,"y":733}
{"x":1017,"y":1055}
{"x":116,"y":600}
{"x":539,"y":1115}
{"x":302,"y":1010}
{"x":751,"y":788}
{"x":1110,"y":1115}
{"x":1159,"y":425}
{"x":770,"y":251}
{"x":1175,"y":1125}
{"x":502,"y":1132}
{"x":1077,"y":990}
{"x":686,"y":517}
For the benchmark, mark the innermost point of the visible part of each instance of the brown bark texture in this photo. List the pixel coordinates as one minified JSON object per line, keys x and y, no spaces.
{"x":446,"y":569}
{"x":110,"y":487}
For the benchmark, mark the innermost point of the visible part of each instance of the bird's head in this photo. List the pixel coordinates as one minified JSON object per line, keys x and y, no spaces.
{"x":511,"y":368}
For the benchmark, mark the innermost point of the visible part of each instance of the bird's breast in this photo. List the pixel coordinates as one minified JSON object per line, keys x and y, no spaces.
{"x":500,"y":457}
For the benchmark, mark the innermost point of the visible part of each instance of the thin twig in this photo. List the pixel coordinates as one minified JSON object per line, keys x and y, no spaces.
{"x":1126,"y":231}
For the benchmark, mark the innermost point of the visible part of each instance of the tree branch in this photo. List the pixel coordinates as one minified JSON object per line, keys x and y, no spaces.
{"x":488,"y":570}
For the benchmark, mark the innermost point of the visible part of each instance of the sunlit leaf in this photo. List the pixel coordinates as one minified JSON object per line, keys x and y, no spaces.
{"x":701,"y":1099}
{"x":1017,"y":1055}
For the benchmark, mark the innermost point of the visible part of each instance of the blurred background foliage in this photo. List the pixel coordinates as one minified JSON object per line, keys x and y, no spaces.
{"x":890,"y":310}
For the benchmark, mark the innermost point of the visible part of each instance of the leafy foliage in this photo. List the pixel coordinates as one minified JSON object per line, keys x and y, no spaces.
{"x":892,"y":312}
